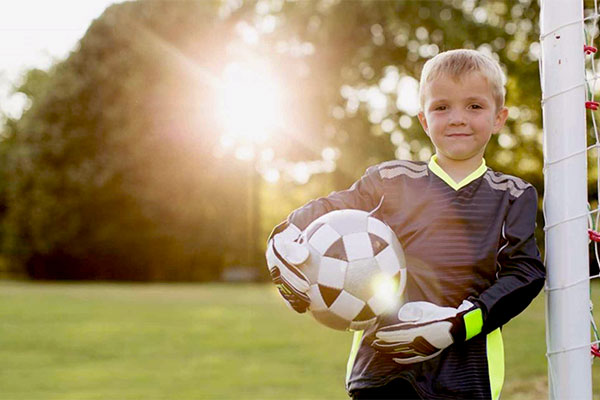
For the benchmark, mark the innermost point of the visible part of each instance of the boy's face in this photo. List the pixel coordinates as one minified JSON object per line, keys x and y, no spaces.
{"x":460,"y":117}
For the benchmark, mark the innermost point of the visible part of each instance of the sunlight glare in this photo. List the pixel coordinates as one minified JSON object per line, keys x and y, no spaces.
{"x":271,"y":175}
{"x":301,"y":173}
{"x":408,"y":95}
{"x":386,"y":290}
{"x":244,"y":153}
{"x":250,"y":102}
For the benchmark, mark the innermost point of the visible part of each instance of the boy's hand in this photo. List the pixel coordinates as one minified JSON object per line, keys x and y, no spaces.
{"x":426,"y":329}
{"x":284,"y":255}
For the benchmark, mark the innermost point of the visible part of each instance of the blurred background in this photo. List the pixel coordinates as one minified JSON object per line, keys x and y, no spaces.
{"x":169,"y":140}
{"x":160,"y":141}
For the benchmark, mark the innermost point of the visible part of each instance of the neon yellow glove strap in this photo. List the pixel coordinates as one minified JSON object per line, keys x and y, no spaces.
{"x":473,"y":323}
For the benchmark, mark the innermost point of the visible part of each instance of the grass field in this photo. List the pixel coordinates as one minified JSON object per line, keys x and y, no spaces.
{"x":217,"y":341}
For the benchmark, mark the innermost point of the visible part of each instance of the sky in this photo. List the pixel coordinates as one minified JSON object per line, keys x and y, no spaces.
{"x":36,"y":33}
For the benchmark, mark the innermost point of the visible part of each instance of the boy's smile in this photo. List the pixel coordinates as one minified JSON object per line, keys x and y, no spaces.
{"x":460,"y":116}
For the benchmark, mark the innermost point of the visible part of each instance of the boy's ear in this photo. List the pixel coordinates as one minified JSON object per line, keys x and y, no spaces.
{"x":423,"y":122}
{"x":500,"y":120}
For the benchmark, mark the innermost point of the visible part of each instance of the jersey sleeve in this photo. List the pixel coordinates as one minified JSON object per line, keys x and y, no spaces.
{"x":365,"y":194}
{"x":521,"y":272}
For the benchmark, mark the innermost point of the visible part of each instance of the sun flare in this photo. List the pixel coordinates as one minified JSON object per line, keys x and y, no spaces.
{"x":250,"y":103}
{"x":386,"y":289}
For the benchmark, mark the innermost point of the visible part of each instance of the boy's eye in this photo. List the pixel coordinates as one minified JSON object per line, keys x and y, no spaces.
{"x":439,"y":108}
{"x":475,"y":106}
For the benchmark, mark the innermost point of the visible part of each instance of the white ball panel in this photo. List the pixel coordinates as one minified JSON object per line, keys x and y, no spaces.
{"x":346,"y":222}
{"x":402,"y":283}
{"x":360,"y":276}
{"x":332,"y":272}
{"x":380,"y":303}
{"x":395,"y":243}
{"x":388,"y":261}
{"x":380,"y":229}
{"x":358,"y":246}
{"x":323,"y":238}
{"x":347,"y":306}
{"x":316,"y":300}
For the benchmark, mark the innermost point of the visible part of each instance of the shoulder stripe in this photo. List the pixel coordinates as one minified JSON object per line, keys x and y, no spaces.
{"x":510,"y":183}
{"x":388,"y":164}
{"x":392,"y":169}
{"x":406,"y":163}
{"x":519,"y":183}
{"x":402,"y":170}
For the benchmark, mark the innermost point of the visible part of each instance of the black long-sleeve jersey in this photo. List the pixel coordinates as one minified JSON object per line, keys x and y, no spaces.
{"x":469,"y":240}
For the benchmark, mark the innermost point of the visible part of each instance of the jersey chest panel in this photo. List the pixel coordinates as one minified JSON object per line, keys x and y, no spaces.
{"x":450,"y":237}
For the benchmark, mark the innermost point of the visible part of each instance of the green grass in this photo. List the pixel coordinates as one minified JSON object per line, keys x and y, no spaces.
{"x":217,"y":341}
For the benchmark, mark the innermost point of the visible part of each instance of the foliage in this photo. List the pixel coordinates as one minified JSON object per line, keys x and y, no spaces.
{"x":111,"y":170}
{"x":363,"y":50}
{"x":117,"y":170}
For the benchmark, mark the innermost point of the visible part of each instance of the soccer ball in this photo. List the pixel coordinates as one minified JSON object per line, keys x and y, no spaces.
{"x":356,"y":269}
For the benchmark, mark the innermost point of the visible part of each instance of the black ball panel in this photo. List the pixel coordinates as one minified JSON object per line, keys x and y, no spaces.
{"x":365,"y":314}
{"x":337,"y":250}
{"x":329,"y":294}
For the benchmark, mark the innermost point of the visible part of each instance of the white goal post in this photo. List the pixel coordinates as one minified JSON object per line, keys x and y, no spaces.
{"x":562,"y":72}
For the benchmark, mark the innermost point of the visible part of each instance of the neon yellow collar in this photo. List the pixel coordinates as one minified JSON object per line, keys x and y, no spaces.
{"x":436,"y":169}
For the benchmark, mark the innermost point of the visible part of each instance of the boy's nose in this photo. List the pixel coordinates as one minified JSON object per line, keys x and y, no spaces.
{"x":457,"y":118}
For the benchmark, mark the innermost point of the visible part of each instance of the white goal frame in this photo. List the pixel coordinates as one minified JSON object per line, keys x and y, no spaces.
{"x":562,"y":72}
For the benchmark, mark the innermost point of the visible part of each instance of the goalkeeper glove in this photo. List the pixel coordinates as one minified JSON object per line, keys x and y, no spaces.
{"x":426,"y":329}
{"x":284,"y":256}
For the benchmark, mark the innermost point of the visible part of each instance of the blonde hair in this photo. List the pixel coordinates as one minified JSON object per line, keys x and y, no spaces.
{"x":459,"y":62}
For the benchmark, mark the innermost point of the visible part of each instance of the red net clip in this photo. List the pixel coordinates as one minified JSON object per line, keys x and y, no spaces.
{"x":595,"y":350}
{"x":592,"y":105}
{"x":595,"y":236}
{"x":589,"y":49}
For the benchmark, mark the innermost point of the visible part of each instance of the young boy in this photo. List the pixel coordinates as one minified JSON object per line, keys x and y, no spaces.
{"x":468,"y":236}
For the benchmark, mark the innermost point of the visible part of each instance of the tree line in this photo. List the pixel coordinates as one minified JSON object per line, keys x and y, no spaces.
{"x":117,"y":171}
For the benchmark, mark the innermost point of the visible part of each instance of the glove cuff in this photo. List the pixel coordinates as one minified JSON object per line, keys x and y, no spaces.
{"x":467,"y":324}
{"x":288,"y":230}
{"x":473,"y":322}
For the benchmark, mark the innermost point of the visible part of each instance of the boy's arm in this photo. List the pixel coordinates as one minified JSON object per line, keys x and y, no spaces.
{"x":425,"y":329}
{"x":365,"y":194}
{"x":283,"y":256}
{"x":522,"y":273}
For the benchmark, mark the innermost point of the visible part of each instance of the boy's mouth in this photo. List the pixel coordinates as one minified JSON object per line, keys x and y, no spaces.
{"x":458,"y":134}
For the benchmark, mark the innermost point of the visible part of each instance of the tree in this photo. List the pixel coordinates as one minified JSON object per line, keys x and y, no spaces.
{"x":364,"y":50}
{"x":112,"y":168}
{"x":118,"y":170}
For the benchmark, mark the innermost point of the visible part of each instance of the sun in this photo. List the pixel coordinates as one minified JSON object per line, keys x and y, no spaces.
{"x":250,"y":102}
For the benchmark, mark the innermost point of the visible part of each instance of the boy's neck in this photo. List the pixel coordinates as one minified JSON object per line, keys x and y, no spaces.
{"x":459,"y":170}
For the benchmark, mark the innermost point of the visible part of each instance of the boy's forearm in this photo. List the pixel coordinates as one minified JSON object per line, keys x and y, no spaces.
{"x":509,"y":296}
{"x":522,"y":273}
